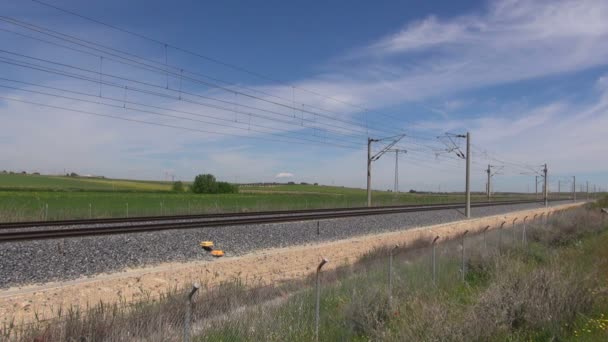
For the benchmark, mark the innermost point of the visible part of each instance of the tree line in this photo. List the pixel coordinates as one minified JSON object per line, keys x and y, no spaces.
{"x":207,"y":184}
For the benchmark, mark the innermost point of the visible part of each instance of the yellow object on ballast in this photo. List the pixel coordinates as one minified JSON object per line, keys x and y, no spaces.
{"x":208,"y":245}
{"x":217,"y":253}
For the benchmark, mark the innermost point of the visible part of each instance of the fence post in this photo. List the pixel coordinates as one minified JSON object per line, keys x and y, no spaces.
{"x":128,"y":210}
{"x":90,"y":211}
{"x":318,"y":299}
{"x":500,"y":235}
{"x":188,"y":318}
{"x":318,"y":229}
{"x":485,"y":244}
{"x":523,"y":233}
{"x":514,"y":232}
{"x":46,"y":211}
{"x":464,"y":267}
{"x":390,"y":277}
{"x":433,"y":259}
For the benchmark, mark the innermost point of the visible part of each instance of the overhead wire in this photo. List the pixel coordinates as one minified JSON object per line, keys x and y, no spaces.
{"x":357,"y":129}
{"x":80,"y":111}
{"x":211,"y":59}
{"x":47,"y":69}
{"x":166,"y":115}
{"x":177,"y":72}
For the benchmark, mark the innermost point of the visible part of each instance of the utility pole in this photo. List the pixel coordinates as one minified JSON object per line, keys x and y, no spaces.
{"x":369,"y":171}
{"x":467,"y":210}
{"x":574,"y":188}
{"x":559,"y":189}
{"x":490,"y":175}
{"x":594,"y":191}
{"x":546,"y":187}
{"x":587,"y":190}
{"x":375,"y":157}
{"x":397,"y":151}
{"x":453,"y":147}
{"x":536,"y":185}
{"x":489,"y":184}
{"x":396,"y":190}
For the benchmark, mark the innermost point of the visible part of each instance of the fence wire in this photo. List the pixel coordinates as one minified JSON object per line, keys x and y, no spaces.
{"x":356,"y":297}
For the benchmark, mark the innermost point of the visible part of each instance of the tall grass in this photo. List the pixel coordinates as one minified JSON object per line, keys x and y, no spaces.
{"x":541,"y":290}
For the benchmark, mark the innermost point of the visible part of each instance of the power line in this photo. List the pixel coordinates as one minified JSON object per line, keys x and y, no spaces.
{"x":151,"y":122}
{"x":64,"y":73}
{"x":166,"y":115}
{"x":162,"y":69}
{"x":208,"y":58}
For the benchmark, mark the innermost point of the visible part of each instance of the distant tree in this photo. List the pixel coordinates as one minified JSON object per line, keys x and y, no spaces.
{"x":73,"y":174}
{"x":316,"y":184}
{"x":291,"y":183}
{"x":227,"y":188}
{"x":207,"y":184}
{"x":178,"y":186}
{"x":204,"y":184}
{"x":412,"y":191}
{"x":303,"y":183}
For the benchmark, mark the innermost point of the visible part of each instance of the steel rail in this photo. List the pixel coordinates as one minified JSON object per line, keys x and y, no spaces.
{"x":83,"y":232}
{"x":135,"y":219}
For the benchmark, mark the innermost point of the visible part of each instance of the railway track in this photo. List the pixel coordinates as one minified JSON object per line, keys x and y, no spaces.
{"x":22,"y":231}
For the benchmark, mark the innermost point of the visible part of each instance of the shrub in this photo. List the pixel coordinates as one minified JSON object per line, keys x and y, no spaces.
{"x":207,"y":184}
{"x":178,"y":186}
{"x":204,"y":184}
{"x":227,"y":188}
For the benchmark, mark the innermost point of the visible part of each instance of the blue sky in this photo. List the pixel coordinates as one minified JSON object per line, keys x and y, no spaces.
{"x":528,"y":79}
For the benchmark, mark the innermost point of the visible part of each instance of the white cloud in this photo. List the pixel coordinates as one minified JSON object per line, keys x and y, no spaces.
{"x":284,"y":175}
{"x":434,"y":57}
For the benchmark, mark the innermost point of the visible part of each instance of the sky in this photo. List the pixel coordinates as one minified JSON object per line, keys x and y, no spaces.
{"x":281,"y":91}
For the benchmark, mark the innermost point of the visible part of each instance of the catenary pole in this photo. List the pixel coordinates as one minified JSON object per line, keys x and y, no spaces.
{"x":369,"y":171}
{"x":468,"y":181}
{"x":396,"y":190}
{"x":546,"y":188}
{"x":489,"y":184}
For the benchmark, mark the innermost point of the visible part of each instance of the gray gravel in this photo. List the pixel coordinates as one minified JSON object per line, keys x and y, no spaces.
{"x":30,"y":262}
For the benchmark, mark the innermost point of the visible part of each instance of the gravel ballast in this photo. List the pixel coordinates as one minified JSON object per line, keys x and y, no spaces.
{"x":30,"y":262}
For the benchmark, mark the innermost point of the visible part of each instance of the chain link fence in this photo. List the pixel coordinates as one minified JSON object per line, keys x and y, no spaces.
{"x":335,"y":300}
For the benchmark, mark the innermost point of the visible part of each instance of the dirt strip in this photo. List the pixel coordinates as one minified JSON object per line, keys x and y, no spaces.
{"x":25,"y":303}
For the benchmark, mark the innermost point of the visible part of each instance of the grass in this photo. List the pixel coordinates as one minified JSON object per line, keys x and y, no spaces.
{"x":26,"y":198}
{"x":30,"y":182}
{"x":554,"y":288}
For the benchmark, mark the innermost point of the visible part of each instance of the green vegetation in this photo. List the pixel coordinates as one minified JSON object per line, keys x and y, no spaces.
{"x":553,"y":289}
{"x":21,"y":182}
{"x":178,"y":187}
{"x":26,"y":197}
{"x":207,"y":184}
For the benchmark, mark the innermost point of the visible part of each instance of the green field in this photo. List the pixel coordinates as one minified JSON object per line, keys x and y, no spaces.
{"x":32,"y":197}
{"x":65,"y":183}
